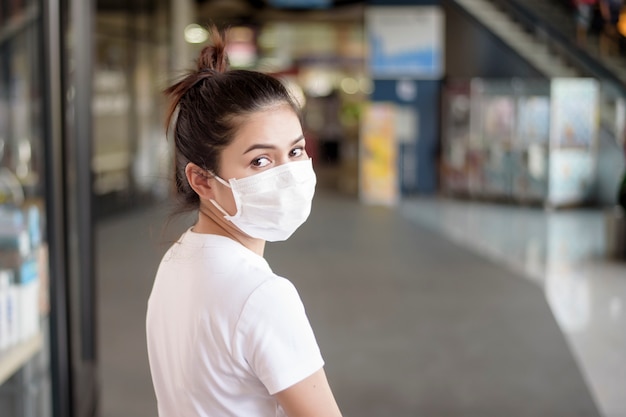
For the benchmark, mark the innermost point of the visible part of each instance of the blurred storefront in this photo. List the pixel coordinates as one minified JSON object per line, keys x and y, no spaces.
{"x":131,"y":62}
{"x":555,"y":143}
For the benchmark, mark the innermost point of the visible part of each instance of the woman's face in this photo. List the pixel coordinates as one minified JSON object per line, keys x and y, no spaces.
{"x":265,"y":139}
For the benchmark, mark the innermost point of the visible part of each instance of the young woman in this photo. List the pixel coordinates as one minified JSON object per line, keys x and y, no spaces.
{"x":227,"y":336}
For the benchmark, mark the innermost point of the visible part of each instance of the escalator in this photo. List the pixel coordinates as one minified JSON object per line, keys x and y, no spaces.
{"x":557,"y":17}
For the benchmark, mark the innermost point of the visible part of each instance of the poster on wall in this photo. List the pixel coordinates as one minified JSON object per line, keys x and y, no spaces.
{"x":378,"y":176}
{"x":405,"y":41}
{"x":456,"y":128}
{"x":533,"y":115}
{"x":498,"y":129}
{"x":573,"y":132}
{"x":571,"y":176}
{"x":531,"y":147}
{"x":574,"y":112}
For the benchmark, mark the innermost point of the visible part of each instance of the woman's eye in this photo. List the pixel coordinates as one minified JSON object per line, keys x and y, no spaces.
{"x":296,"y":152}
{"x":261,"y":162}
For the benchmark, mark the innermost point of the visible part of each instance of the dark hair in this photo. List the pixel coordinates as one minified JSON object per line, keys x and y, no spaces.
{"x":206,"y":107}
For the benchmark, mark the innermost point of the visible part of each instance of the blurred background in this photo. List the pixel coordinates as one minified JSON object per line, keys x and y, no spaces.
{"x":466,"y":251}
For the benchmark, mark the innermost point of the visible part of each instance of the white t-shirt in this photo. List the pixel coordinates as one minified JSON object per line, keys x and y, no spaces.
{"x":224,"y":332}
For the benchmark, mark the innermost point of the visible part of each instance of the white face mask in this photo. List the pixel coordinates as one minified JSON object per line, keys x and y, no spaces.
{"x":272,"y":204}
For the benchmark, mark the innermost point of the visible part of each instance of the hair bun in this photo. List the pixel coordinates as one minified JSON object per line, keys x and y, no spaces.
{"x":213,"y":57}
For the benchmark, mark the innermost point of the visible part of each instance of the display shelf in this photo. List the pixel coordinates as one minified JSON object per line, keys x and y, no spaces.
{"x":16,"y":356}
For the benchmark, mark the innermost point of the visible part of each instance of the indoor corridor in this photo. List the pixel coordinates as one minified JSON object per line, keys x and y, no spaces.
{"x":417,"y":309}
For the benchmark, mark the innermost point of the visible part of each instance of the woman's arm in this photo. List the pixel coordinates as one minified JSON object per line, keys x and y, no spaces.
{"x":310,"y":397}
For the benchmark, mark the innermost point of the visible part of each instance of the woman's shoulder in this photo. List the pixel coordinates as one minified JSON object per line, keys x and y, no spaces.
{"x":273,"y":294}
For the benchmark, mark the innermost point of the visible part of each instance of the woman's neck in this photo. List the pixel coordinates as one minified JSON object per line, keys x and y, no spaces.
{"x":212,"y":221}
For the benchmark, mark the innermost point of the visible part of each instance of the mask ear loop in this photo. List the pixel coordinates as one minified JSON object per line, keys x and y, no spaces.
{"x":219,"y":179}
{"x":220,"y":208}
{"x":215,"y":203}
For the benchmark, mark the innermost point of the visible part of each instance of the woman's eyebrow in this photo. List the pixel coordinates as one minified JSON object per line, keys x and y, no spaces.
{"x":267,"y":146}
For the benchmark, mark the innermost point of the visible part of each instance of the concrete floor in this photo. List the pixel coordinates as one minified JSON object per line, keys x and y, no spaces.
{"x":409,"y":322}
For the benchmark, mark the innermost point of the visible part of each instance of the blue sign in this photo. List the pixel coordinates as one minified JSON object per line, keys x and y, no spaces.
{"x":301,"y":4}
{"x":405,"y":41}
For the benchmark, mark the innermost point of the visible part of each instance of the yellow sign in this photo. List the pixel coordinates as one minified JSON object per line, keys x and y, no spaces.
{"x":378,"y":174}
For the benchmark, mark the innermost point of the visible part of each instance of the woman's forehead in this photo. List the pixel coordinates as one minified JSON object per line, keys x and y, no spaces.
{"x":279,"y":126}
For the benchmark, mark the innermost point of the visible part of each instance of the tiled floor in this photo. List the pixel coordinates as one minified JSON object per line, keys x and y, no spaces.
{"x":563,"y":252}
{"x":422,"y":309}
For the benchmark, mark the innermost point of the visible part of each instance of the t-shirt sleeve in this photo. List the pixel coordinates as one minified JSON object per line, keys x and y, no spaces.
{"x":275,"y":337}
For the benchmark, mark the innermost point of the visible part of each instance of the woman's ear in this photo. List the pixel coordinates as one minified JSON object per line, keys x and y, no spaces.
{"x":198,"y":179}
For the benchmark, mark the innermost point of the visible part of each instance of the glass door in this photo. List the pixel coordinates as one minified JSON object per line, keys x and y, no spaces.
{"x":25,"y":370}
{"x":47,"y":321}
